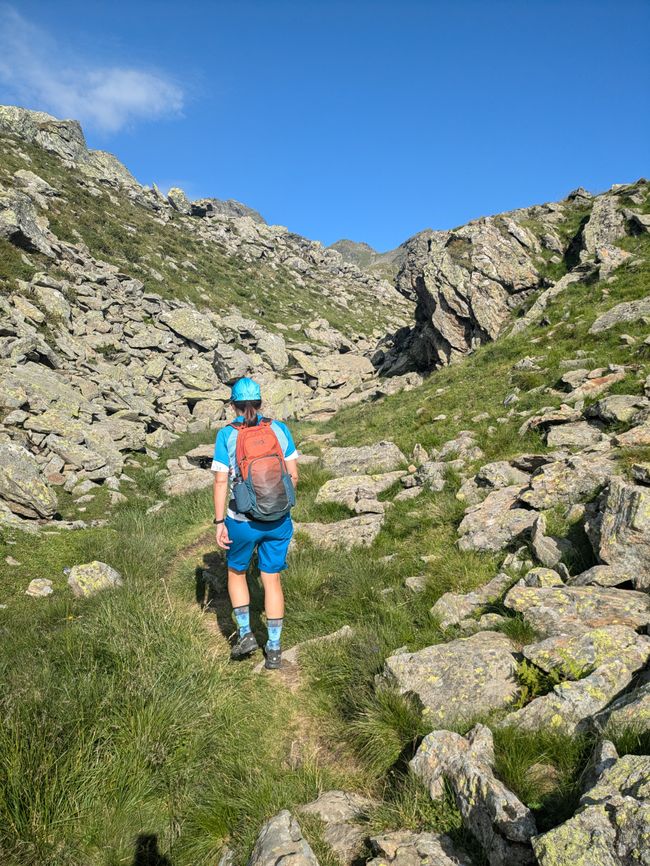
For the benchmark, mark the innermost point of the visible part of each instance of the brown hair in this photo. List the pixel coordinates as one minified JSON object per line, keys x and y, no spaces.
{"x":249,"y":409}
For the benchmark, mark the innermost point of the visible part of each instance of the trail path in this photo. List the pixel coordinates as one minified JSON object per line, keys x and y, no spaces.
{"x":310,"y":742}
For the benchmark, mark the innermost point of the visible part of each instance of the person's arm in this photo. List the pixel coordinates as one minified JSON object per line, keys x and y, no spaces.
{"x":220,"y":494}
{"x":292,"y":469}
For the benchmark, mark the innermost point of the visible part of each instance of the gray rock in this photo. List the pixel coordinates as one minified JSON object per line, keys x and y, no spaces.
{"x":571,"y":610}
{"x":181,"y":483}
{"x":39,"y":587}
{"x":179,"y":201}
{"x":625,"y":531}
{"x":407,"y":848}
{"x":574,"y":655}
{"x":432,"y":474}
{"x":566,"y":481}
{"x":348,"y":490}
{"x":579,"y":434}
{"x":617,"y":408}
{"x":19,"y":223}
{"x":340,"y":811}
{"x":494,"y":815}
{"x":193,"y":326}
{"x":354,"y":532}
{"x":629,"y":712}
{"x":570,"y":707}
{"x":331,"y":371}
{"x":627,"y":311}
{"x":451,"y":680}
{"x":281,"y":841}
{"x":22,"y":487}
{"x":496,"y":522}
{"x":92,"y":577}
{"x":365,"y":459}
{"x":611,"y":826}
{"x":453,"y":607}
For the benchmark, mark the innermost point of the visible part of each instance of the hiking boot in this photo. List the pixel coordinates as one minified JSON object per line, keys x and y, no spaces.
{"x":244,"y":647}
{"x":273,"y":659}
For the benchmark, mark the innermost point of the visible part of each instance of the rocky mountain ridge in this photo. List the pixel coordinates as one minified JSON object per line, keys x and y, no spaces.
{"x":95,"y":365}
{"x":470,"y":284}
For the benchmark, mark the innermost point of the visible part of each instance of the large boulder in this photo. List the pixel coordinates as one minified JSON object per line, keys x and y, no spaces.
{"x":193,"y":326}
{"x":331,"y":371}
{"x":625,"y":531}
{"x":19,"y":223}
{"x":281,"y":841}
{"x":364,"y":459}
{"x":574,"y":609}
{"x":611,"y":826}
{"x":564,"y":482}
{"x":629,"y":712}
{"x":490,"y":812}
{"x":623,"y":313}
{"x":452,"y":607}
{"x":355,"y":532}
{"x":495,"y":522}
{"x":348,"y":490}
{"x":573,"y":655}
{"x":22,"y":486}
{"x":570,"y":706}
{"x":457,"y":680}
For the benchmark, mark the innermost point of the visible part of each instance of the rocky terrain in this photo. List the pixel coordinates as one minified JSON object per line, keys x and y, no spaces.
{"x":469,"y":666}
{"x":385,"y":264}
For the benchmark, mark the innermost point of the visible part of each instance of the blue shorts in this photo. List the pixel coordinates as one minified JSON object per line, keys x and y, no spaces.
{"x":271,"y":539}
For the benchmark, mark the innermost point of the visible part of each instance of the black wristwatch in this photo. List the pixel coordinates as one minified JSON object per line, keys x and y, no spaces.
{"x":217,"y":522}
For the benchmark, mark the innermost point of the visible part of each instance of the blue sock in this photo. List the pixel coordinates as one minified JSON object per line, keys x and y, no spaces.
{"x":243,"y":617}
{"x":274,"y":628}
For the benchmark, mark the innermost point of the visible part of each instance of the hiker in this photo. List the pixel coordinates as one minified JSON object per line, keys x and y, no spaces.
{"x":256,"y":457}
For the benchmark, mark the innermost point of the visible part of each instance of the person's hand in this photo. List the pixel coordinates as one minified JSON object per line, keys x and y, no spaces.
{"x":223,"y":540}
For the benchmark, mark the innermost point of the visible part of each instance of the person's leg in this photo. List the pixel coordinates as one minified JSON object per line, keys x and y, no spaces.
{"x":240,"y":599}
{"x":239,"y":555}
{"x":272,"y":555}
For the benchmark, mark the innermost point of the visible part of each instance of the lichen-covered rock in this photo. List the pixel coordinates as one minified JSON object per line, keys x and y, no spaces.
{"x":342,"y":814}
{"x":281,"y":841}
{"x":364,"y":459}
{"x":493,"y":814}
{"x":348,"y":490}
{"x":564,"y":482}
{"x":22,"y":486}
{"x":579,"y":434}
{"x":570,"y":706}
{"x":330,"y":371}
{"x":629,"y":712}
{"x":457,"y":680}
{"x":181,"y":483}
{"x":575,"y":609}
{"x":496,"y":522}
{"x":92,"y":577}
{"x":432,"y":474}
{"x":452,"y":607}
{"x":192,"y":325}
{"x":574,"y":655}
{"x":611,"y":827}
{"x":625,"y":531}
{"x":358,"y":531}
{"x":618,"y":408}
{"x":39,"y":587}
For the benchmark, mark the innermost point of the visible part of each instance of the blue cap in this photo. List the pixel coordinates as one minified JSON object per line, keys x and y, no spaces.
{"x":245,"y":389}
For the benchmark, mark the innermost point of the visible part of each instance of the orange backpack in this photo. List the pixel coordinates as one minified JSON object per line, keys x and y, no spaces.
{"x":263,"y":489}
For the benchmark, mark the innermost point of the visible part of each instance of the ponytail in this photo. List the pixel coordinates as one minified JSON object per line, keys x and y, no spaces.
{"x":249,"y":409}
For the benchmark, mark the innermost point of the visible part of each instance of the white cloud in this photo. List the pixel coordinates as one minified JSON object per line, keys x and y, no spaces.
{"x":36,"y":71}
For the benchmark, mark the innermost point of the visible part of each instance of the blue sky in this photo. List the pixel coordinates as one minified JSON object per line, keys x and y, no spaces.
{"x":365,"y":120}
